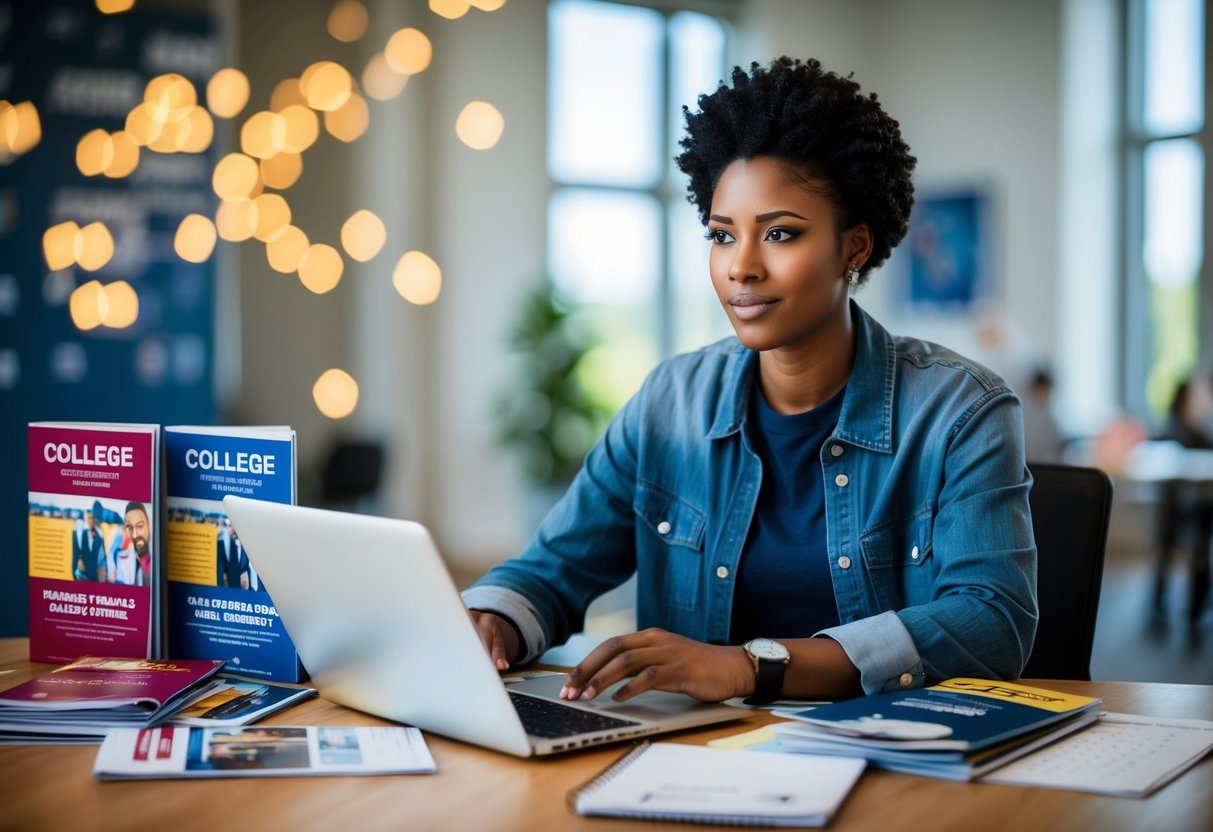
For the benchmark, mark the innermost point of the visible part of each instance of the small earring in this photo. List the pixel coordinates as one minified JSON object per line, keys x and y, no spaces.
{"x":853,"y":275}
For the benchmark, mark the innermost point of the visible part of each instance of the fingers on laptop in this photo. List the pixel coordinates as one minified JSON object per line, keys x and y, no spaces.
{"x":498,"y":636}
{"x":654,"y":659}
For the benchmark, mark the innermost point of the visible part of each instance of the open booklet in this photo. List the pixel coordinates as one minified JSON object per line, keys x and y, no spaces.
{"x":175,"y":751}
{"x":669,"y":781}
{"x":1122,"y":754}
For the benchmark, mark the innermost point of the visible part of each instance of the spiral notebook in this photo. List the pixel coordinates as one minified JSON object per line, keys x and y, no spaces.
{"x":697,"y":784}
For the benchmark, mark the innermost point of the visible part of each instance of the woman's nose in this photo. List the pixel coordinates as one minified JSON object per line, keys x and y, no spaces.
{"x":746,"y":265}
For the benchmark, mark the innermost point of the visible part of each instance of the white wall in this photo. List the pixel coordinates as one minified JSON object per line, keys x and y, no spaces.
{"x":975,"y":86}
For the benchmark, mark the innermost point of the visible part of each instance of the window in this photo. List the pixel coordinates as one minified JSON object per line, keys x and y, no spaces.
{"x":1167,"y":274}
{"x":624,"y":245}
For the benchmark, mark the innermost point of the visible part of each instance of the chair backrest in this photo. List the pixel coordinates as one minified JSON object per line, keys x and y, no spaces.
{"x":1070,"y":510}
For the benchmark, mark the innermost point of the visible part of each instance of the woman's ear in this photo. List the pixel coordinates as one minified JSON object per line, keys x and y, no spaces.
{"x":857,"y":244}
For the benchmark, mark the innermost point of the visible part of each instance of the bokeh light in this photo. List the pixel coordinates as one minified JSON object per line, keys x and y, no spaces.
{"x":141,"y":126}
{"x":326,"y":85}
{"x":350,"y":120}
{"x":236,"y":219}
{"x":171,"y":96}
{"x":58,"y":245}
{"x":123,"y":305}
{"x":302,"y":128}
{"x":408,"y":51}
{"x":124,"y":152}
{"x":20,"y":127}
{"x":450,"y":9}
{"x":263,"y":135}
{"x":91,"y":152}
{"x":363,"y":235}
{"x":197,"y":131}
{"x":335,"y":393}
{"x":195,"y":239}
{"x":114,"y":6}
{"x":88,"y":305}
{"x":487,"y":5}
{"x":286,"y":92}
{"x":227,"y":92}
{"x":285,"y":248}
{"x":93,"y":246}
{"x":282,"y":171}
{"x":479,"y":125}
{"x":348,"y":20}
{"x":272,"y":214}
{"x":236,"y":176}
{"x":320,"y":268}
{"x":417,"y":278}
{"x":380,"y":81}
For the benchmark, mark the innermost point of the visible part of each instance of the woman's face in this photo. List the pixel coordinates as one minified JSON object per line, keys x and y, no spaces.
{"x":776,"y":260}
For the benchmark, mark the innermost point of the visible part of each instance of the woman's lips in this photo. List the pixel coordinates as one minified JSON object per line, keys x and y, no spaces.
{"x":748,"y":306}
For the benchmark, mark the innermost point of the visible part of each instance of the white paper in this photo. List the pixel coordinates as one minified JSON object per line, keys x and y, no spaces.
{"x":1122,"y":754}
{"x":176,"y":751}
{"x":669,"y":780}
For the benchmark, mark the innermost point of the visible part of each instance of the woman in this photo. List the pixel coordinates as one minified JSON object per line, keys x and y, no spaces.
{"x":815,"y":509}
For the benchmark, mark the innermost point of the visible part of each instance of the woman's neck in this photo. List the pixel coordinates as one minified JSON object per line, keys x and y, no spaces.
{"x":798,"y":379}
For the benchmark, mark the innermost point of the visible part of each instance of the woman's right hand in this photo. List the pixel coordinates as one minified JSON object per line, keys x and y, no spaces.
{"x":498,"y":636}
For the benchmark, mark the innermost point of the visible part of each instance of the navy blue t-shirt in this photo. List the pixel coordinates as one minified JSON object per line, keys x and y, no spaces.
{"x":784,"y":589}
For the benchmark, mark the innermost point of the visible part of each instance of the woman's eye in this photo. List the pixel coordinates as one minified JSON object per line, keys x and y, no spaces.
{"x":719,"y":237}
{"x":780,"y":235}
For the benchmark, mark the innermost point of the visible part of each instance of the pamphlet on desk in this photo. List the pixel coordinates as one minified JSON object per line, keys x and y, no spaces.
{"x":94,"y":550}
{"x":1122,"y":754}
{"x":958,"y":729}
{"x":668,"y":781}
{"x":81,"y":701}
{"x":234,"y":701}
{"x":218,"y":607}
{"x":171,"y":752}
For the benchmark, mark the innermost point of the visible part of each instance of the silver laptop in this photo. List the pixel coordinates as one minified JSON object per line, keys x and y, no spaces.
{"x":381,"y":628}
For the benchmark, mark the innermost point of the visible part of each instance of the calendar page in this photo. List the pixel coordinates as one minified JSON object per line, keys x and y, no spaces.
{"x":1121,"y":754}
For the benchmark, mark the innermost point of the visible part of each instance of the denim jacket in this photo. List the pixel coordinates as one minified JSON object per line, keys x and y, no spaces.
{"x":929,"y":536}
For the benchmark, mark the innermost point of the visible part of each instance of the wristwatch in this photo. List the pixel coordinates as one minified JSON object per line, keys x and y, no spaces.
{"x":770,"y":660}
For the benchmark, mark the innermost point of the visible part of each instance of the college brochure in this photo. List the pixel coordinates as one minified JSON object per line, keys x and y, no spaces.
{"x":235,"y":701}
{"x":668,"y":781}
{"x":171,"y":751}
{"x":93,"y":694}
{"x":94,"y":551}
{"x":958,"y":729}
{"x":217,"y":605}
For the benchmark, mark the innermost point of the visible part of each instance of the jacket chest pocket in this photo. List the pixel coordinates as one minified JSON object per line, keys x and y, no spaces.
{"x":899,"y":560}
{"x":670,"y":532}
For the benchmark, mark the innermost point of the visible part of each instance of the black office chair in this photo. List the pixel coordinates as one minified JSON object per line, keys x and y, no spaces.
{"x":1070,"y":507}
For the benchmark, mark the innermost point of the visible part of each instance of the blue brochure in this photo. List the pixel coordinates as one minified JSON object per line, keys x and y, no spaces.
{"x":217,"y":606}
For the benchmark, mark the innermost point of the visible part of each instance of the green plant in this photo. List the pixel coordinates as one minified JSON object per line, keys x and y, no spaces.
{"x":546,"y":414}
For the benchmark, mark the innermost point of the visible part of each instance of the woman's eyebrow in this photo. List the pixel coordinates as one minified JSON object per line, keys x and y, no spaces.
{"x":721,"y":218}
{"x":773,"y":214}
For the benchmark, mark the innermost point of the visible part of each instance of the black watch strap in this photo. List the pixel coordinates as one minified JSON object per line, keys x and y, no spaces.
{"x":768,"y":683}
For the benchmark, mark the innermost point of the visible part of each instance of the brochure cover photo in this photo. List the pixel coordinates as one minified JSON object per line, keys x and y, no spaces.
{"x":94,"y":556}
{"x":218,"y":607}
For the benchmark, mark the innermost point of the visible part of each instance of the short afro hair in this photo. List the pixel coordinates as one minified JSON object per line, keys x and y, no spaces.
{"x":817,"y":122}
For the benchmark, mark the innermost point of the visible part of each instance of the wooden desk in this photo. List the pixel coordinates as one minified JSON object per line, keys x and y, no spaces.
{"x":52,"y":788}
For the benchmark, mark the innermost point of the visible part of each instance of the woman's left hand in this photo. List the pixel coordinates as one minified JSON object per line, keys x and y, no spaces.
{"x":658,"y":659}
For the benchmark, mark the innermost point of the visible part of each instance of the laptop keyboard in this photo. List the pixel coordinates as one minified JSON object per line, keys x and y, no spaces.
{"x":544,"y":718}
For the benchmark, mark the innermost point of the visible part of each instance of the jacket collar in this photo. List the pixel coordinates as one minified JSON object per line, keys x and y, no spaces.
{"x":867,"y":410}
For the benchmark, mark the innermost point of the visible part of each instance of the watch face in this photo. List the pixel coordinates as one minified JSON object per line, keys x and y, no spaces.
{"x":764,"y":648}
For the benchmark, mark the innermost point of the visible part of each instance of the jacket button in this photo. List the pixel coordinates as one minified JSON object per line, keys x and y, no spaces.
{"x":914,"y":553}
{"x":722,"y":572}
{"x":844,"y":562}
{"x":905,"y":680}
{"x":841,"y":480}
{"x":663,"y":527}
{"x":836,"y":450}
